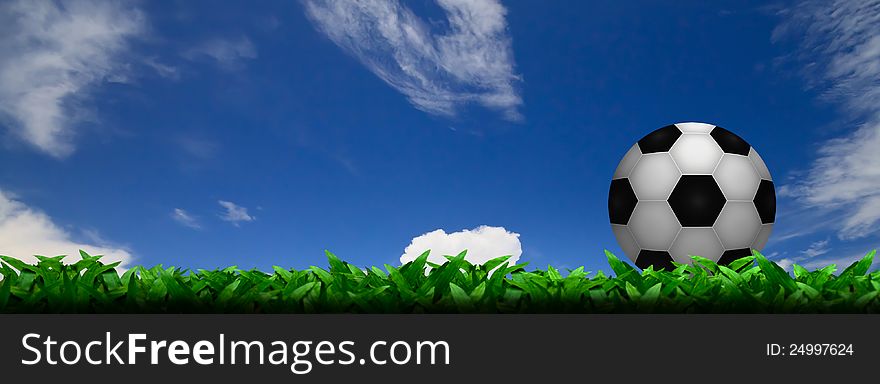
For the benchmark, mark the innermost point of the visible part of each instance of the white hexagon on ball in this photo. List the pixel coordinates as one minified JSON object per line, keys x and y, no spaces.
{"x":695,"y":241}
{"x":695,"y":128}
{"x":628,"y":163}
{"x":691,"y":189}
{"x":738,"y":224}
{"x":654,"y":176}
{"x":653,"y":225}
{"x":696,"y":154}
{"x":737,"y":177}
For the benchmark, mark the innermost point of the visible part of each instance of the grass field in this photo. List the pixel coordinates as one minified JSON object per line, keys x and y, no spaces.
{"x":749,"y":285}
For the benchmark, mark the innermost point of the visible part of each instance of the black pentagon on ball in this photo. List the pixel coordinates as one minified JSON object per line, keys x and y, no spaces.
{"x":621,"y":201}
{"x":696,"y":200}
{"x":661,"y":260}
{"x":660,"y":140}
{"x":730,"y":255}
{"x":765,"y":202}
{"x":730,"y":142}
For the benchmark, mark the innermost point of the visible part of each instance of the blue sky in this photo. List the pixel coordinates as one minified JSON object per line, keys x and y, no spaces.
{"x":207,"y":134}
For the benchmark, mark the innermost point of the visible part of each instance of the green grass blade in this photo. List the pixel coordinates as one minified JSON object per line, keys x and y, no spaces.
{"x":774,"y":273}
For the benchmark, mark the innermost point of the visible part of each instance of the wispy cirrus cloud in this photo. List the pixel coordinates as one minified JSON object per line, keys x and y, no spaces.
{"x":51,"y":54}
{"x":817,"y":248}
{"x":840,"y":43}
{"x":234,"y":213}
{"x":840,"y":261}
{"x":200,"y":147}
{"x":227,"y":53}
{"x":163,"y":70}
{"x":469,"y":61}
{"x":185,"y":218}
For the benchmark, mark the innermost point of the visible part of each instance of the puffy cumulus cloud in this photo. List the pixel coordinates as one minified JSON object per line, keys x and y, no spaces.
{"x":840,"y":42}
{"x":25,"y":232}
{"x":482,"y":244}
{"x":51,"y":54}
{"x":470,"y":61}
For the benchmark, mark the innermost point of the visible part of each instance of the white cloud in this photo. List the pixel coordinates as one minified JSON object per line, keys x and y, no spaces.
{"x":482,"y":243}
{"x":51,"y":54}
{"x":841,"y":262}
{"x":185,"y":218}
{"x":841,"y":44}
{"x":234,"y":213}
{"x":228,"y":53}
{"x":817,"y":248}
{"x":786,"y":264}
{"x":817,"y":255}
{"x":470,"y":62}
{"x":25,"y":231}
{"x":164,"y":70}
{"x":200,"y":148}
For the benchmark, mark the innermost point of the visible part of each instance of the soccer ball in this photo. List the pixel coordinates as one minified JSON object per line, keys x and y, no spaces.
{"x":691,"y":189}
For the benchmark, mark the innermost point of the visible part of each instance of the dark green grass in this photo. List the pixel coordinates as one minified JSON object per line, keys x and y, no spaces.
{"x":749,"y":285}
